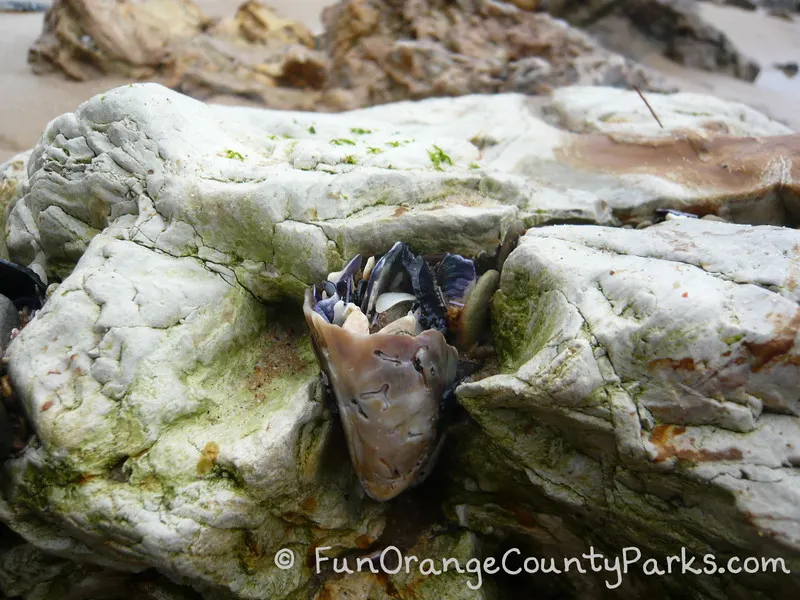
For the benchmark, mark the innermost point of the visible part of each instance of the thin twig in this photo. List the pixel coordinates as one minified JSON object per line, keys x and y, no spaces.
{"x":652,"y":112}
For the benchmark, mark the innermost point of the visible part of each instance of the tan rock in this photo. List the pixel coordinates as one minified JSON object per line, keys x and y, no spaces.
{"x":88,"y":38}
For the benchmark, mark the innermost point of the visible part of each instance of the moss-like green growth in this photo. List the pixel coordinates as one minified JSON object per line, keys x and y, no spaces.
{"x":350,"y":159}
{"x":360,"y":131}
{"x":233,"y":155}
{"x":439,"y":157}
{"x":343,"y":142}
{"x":525,"y":315}
{"x":373,"y":150}
{"x":394,"y":144}
{"x":312,"y":130}
{"x":474,"y":165}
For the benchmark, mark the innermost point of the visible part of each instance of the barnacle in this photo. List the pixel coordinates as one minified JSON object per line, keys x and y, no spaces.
{"x":379,"y":335}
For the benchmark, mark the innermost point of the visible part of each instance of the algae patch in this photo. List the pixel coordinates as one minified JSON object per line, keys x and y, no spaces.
{"x":233,"y":155}
{"x":439,"y":157}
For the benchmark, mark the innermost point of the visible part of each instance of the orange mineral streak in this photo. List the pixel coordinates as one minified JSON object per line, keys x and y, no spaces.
{"x":666,"y":439}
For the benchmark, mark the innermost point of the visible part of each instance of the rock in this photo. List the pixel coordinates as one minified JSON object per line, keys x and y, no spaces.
{"x":12,"y":175}
{"x":87,"y":38}
{"x":386,"y":52}
{"x":171,"y":383}
{"x":316,"y":187}
{"x":429,"y":580}
{"x":9,"y":320}
{"x":672,"y":27}
{"x":27,"y":572}
{"x":647,"y":393}
{"x":257,"y":55}
{"x":372,"y":52}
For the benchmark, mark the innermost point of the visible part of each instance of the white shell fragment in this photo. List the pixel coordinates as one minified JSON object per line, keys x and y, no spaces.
{"x":389,"y":299}
{"x":368,"y":267}
{"x":407,"y":325}
{"x":356,"y":322}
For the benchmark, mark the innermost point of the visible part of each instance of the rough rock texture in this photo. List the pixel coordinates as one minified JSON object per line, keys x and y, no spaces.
{"x":87,"y":38}
{"x":12,"y":174}
{"x":9,"y":319}
{"x":648,"y":393}
{"x":257,"y":55}
{"x":179,"y":421}
{"x":673,"y":27}
{"x":372,"y":52}
{"x":27,"y":572}
{"x":389,"y":51}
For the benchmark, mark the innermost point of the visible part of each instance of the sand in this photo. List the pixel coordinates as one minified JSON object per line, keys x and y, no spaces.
{"x":28,"y":102}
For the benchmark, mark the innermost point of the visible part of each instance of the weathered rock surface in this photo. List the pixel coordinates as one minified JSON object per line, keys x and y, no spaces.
{"x":672,"y":27}
{"x":27,"y":572}
{"x":13,"y":173}
{"x":256,"y":55}
{"x":390,"y":51}
{"x":372,"y":52}
{"x":87,"y":38}
{"x":179,"y":422}
{"x":648,"y":392}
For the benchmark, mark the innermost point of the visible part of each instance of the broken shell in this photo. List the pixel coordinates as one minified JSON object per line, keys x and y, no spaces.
{"x":389,"y":385}
{"x":388,"y":388}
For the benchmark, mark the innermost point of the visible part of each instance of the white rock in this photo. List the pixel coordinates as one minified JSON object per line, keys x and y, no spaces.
{"x":672,"y":350}
{"x":177,"y":431}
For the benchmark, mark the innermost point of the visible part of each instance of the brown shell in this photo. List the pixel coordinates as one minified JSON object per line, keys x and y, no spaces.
{"x":388,"y":389}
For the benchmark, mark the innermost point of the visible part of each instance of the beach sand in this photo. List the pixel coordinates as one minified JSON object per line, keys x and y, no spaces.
{"x":28,"y":102}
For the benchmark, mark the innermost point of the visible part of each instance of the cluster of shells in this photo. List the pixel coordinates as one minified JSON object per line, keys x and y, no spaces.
{"x":382,"y":332}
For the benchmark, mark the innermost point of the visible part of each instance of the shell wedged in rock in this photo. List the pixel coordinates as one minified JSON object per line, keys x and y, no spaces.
{"x":388,"y":389}
{"x":389,"y":370}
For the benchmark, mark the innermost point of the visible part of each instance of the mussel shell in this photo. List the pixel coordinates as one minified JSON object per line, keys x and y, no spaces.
{"x":456,"y":276}
{"x":21,"y":285}
{"x":388,"y":390}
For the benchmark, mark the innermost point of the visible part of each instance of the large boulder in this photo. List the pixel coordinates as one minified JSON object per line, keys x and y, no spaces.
{"x":179,"y":420}
{"x":648,"y":393}
{"x":675,"y":28}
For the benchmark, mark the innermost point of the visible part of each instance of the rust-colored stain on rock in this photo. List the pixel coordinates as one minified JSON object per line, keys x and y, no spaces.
{"x":209,"y":457}
{"x":85,"y":478}
{"x":684,"y":364}
{"x":728,"y":165}
{"x":663,"y":438}
{"x":364,"y":541}
{"x":777,"y":349}
{"x":309,"y":504}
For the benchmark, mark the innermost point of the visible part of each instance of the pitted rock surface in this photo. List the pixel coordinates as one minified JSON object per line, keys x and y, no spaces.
{"x":652,"y":368}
